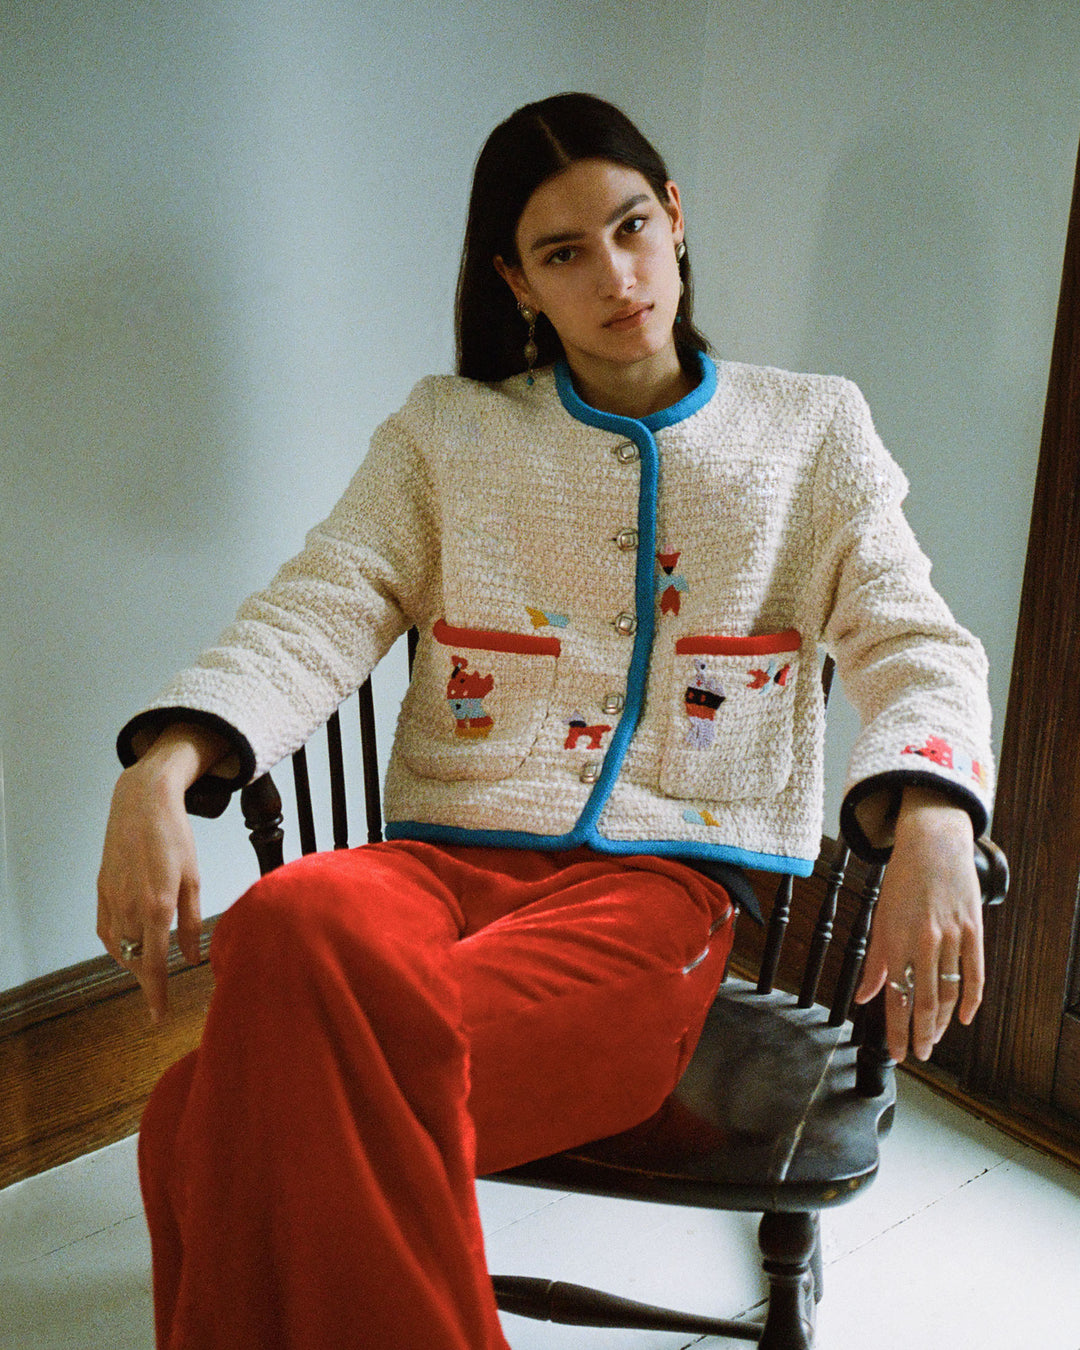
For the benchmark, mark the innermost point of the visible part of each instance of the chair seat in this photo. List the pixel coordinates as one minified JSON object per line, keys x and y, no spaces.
{"x":766,"y":1117}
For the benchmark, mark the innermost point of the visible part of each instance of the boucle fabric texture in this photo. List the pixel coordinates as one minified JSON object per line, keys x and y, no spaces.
{"x":620,"y":622}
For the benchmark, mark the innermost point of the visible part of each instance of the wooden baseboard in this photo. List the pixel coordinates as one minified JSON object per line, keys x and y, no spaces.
{"x":79,"y":1057}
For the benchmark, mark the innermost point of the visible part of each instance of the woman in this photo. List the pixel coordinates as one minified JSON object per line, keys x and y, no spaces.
{"x":621,"y":559}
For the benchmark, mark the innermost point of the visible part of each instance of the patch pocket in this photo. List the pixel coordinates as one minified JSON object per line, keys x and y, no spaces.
{"x":730,"y":717}
{"x":476,"y":701}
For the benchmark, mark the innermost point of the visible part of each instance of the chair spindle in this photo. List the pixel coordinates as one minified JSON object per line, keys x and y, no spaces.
{"x":855,"y":950}
{"x":305,"y":817}
{"x":774,"y":941}
{"x":339,"y":811}
{"x":823,"y":931}
{"x":370,"y":761}
{"x":260,"y":803}
{"x":872,"y":1060}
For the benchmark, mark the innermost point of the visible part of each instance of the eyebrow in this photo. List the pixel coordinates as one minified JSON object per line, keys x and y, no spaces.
{"x":546,"y":240}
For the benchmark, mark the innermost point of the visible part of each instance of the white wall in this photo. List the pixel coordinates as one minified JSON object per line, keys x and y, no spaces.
{"x":230,"y":244}
{"x":882,"y":192}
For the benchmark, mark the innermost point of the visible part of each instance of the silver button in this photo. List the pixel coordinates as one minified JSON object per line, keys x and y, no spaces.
{"x":626,"y":453}
{"x":590,"y":772}
{"x":613,"y":703}
{"x":627,"y":539}
{"x":626,"y":624}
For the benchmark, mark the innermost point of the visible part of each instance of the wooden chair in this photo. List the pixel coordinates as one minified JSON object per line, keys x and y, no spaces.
{"x":829,"y":1084}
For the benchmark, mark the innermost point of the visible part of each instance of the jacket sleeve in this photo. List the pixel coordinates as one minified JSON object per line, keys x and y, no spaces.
{"x":916,"y":677}
{"x":306,"y":641}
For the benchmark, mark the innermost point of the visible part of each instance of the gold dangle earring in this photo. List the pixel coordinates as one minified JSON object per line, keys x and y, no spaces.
{"x":532,"y":351}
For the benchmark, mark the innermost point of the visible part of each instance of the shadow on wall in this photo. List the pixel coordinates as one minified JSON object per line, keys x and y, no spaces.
{"x":116,"y":428}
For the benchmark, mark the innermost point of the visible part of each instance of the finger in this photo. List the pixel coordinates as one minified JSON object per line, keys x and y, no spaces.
{"x":897,"y":1017}
{"x":973,"y":970}
{"x":871,"y":982}
{"x":948,"y":989}
{"x":927,"y":1000}
{"x":151,"y":970}
{"x":874,"y":972}
{"x":189,"y":920}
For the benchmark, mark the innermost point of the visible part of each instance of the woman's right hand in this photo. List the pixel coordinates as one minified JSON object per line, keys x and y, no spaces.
{"x":149,"y":867}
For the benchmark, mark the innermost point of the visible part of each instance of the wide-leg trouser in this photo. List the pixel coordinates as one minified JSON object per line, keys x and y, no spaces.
{"x":388,"y":1023}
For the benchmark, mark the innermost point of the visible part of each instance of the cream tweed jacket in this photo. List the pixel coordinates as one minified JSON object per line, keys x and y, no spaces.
{"x":620,"y":623}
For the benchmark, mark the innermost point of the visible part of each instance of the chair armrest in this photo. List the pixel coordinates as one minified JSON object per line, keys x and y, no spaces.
{"x":992,"y":868}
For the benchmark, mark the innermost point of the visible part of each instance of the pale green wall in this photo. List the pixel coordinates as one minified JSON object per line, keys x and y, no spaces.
{"x":230,"y":240}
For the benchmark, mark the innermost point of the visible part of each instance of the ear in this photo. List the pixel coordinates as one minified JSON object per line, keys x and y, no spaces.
{"x":514,"y":277}
{"x":673,"y":206}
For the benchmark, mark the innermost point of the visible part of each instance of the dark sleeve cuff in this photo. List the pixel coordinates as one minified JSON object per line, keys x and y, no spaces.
{"x":210,"y":794}
{"x":859,"y":807}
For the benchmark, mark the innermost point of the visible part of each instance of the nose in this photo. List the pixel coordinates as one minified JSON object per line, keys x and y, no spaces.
{"x":616,"y":275}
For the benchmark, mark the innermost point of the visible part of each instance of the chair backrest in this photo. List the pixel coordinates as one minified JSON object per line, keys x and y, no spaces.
{"x":795,"y":950}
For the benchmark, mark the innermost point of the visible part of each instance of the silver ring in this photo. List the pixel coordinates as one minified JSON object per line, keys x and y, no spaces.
{"x":130,"y":949}
{"x":951,"y":979}
{"x":907,"y":987}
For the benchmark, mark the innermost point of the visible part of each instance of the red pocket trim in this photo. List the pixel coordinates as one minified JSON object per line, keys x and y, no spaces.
{"x":768,"y":644}
{"x":489,"y":640}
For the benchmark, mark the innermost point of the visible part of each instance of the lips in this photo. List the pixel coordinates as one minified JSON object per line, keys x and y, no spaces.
{"x":631,"y":316}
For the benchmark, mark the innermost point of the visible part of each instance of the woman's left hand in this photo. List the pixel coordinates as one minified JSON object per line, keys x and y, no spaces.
{"x":928,"y":919}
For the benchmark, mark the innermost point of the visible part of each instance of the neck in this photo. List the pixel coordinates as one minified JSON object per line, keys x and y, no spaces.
{"x":635,"y":390}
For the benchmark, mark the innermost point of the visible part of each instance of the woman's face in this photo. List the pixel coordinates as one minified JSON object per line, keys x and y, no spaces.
{"x":596,"y":255}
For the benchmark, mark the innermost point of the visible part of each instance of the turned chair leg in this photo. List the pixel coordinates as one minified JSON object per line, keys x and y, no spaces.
{"x":790,"y":1254}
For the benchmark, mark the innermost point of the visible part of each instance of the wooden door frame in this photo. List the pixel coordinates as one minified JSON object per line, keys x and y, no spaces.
{"x":1012,"y":1057}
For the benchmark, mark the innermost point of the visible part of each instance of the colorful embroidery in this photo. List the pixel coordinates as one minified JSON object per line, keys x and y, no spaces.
{"x":670,"y":585}
{"x":580,"y":730}
{"x":466,"y":690}
{"x":701,"y":817}
{"x":702,"y":698}
{"x":764,"y":680}
{"x":542,"y":618}
{"x":939,"y":751}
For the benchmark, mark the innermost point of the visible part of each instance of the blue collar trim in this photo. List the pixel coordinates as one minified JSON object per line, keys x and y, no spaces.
{"x":696,"y":399}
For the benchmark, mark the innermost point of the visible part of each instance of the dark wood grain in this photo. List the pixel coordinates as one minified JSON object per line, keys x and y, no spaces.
{"x":78,"y":1059}
{"x":1013,"y":1055}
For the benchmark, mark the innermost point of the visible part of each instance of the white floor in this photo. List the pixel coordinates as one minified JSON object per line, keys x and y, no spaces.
{"x":967,"y":1239}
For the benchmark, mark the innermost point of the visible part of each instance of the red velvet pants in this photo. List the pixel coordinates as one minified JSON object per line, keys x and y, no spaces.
{"x":388,"y":1023}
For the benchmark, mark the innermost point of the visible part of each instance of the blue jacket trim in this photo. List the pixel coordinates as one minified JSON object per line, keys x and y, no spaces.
{"x":589,"y":838}
{"x":641,"y":433}
{"x":694,"y":401}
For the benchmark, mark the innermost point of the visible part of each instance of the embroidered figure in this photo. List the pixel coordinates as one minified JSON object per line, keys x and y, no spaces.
{"x":939,"y":751}
{"x":936,"y":750}
{"x":701,"y":817}
{"x":670,"y":585}
{"x":702,"y":698}
{"x":765,"y":679}
{"x":579,"y":730}
{"x":542,"y":618}
{"x":466,"y":690}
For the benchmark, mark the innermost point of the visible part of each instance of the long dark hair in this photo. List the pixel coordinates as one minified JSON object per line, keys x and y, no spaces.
{"x":534,"y":143}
